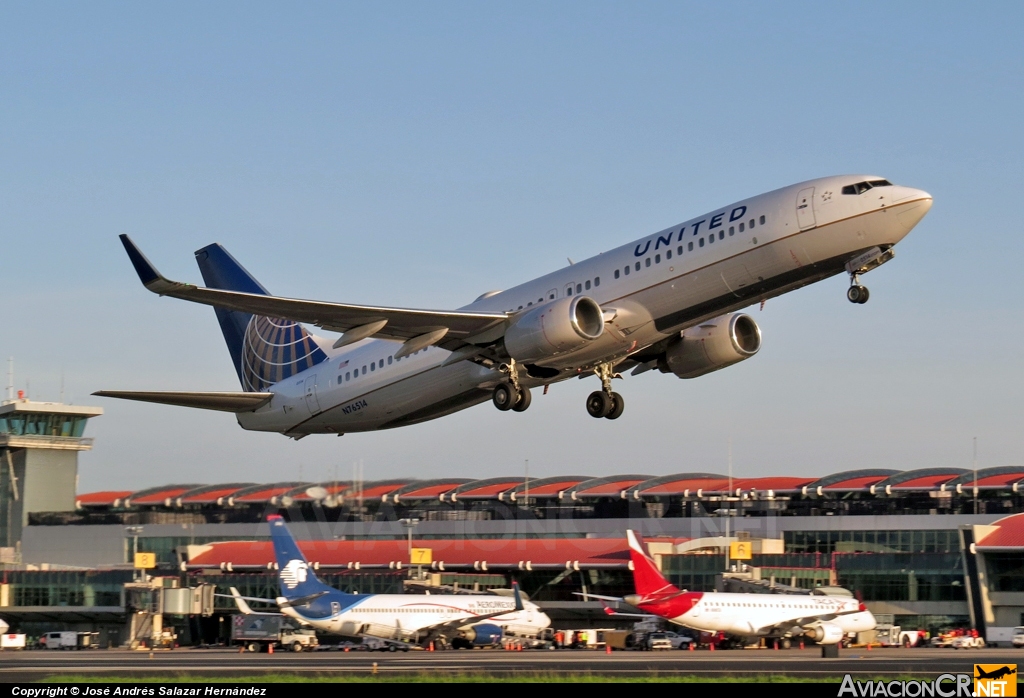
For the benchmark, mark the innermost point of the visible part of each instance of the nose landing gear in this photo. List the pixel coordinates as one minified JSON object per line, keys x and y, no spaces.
{"x":604,"y":402}
{"x":509,"y":395}
{"x":857,"y":293}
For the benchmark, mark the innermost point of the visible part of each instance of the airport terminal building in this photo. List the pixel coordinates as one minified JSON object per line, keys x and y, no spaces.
{"x":929,"y":548}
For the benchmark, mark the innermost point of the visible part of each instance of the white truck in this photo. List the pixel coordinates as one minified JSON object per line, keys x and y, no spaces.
{"x":258,"y":632}
{"x":59,"y":640}
{"x":895,"y":636}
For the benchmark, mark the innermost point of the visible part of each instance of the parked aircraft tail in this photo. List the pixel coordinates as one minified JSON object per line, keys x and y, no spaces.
{"x":264,"y":350}
{"x":647,"y":578}
{"x":297,"y":580}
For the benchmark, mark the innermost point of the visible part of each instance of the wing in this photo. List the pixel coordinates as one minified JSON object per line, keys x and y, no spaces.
{"x":243,"y":607}
{"x":448,"y":329}
{"x":434,"y":631}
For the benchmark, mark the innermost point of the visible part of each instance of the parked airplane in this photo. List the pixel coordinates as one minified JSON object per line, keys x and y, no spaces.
{"x":824,"y":619}
{"x":461,"y":621}
{"x":667,"y":301}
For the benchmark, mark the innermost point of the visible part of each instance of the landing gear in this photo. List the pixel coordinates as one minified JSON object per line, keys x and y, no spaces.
{"x":858,"y":294}
{"x":604,"y":402}
{"x":510,"y":395}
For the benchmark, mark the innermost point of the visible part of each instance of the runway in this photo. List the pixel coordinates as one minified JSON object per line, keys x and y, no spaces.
{"x":17,"y":667}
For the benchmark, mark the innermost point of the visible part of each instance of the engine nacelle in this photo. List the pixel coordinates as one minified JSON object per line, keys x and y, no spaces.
{"x":483,"y":634}
{"x":715,"y":344}
{"x":825,"y":633}
{"x":554,"y":328}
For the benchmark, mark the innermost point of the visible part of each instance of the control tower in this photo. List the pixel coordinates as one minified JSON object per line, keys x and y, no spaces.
{"x":39,"y":445}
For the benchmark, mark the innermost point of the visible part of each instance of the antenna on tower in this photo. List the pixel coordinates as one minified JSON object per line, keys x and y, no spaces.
{"x":10,"y":377}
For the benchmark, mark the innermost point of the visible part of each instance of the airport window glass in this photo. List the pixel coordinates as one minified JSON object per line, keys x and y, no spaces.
{"x":657,"y":259}
{"x":761,"y":220}
{"x":616,"y":273}
{"x":587,"y":285}
{"x":597,"y":281}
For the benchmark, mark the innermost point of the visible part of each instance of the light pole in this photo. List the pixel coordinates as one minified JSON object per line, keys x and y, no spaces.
{"x":134,"y":532}
{"x":409,"y":525}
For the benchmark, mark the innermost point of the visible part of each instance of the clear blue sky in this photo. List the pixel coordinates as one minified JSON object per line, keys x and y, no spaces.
{"x":418,"y":154}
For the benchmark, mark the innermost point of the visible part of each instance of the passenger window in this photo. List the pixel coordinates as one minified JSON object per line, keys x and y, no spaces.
{"x":657,"y":259}
{"x":540,"y":300}
{"x":347,"y":375}
{"x":389,"y":361}
{"x":732,"y":230}
{"x":597,"y":281}
{"x":520,"y":308}
{"x":668,"y":254}
{"x":586,"y":285}
{"x":689,"y":247}
{"x":381,"y":363}
{"x":364,"y":370}
{"x":616,"y":273}
{"x":761,"y":220}
{"x":742,"y":228}
{"x":638,"y":266}
{"x":647,"y":262}
{"x":679,"y":250}
{"x":702,"y":242}
{"x":529,"y":304}
{"x":721,"y":234}
{"x":627,"y":271}
{"x":711,"y":238}
{"x":751,"y":223}
{"x":579,"y":288}
{"x":341,"y":379}
{"x":552,"y":297}
{"x":373,"y":366}
{"x":568,"y":290}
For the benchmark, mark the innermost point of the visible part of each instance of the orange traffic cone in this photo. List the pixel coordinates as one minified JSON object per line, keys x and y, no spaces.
{"x":270,"y":648}
{"x":691,"y":646}
{"x":607,"y":648}
{"x":776,"y":645}
{"x":712,"y":647}
{"x":431,"y":648}
{"x":801,"y":644}
{"x":519,"y":647}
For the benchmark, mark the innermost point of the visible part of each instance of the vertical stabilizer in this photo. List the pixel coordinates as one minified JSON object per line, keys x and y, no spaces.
{"x":264,"y":350}
{"x":294,"y":575}
{"x":647,"y":578}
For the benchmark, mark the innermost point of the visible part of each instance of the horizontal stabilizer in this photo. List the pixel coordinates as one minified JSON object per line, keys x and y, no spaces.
{"x":224,"y":402}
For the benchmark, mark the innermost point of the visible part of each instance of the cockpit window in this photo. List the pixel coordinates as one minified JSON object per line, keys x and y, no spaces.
{"x":861,"y":187}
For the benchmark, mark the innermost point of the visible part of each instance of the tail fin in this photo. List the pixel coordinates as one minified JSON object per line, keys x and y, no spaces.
{"x":295,"y":577}
{"x":647,"y":579}
{"x":264,"y":350}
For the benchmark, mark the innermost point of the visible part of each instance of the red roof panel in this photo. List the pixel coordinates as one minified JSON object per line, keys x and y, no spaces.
{"x":926,"y":482}
{"x":1009,"y":533}
{"x":680,"y":486}
{"x":100,"y":499}
{"x":490,"y":490}
{"x":607,"y":488}
{"x":209,"y":497}
{"x":856,"y":483}
{"x":159,"y":497}
{"x":263,"y":495}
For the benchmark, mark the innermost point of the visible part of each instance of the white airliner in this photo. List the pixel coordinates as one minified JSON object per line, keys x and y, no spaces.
{"x":824,"y":619}
{"x":459,"y":620}
{"x":667,"y":301}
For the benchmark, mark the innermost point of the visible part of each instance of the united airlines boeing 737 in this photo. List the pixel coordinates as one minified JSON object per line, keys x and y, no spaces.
{"x":667,"y":301}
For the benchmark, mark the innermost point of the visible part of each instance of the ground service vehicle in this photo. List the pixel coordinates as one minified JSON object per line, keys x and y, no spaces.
{"x":59,"y":640}
{"x":258,"y":632}
{"x":657,"y":641}
{"x":1018,"y":637}
{"x":895,"y":636}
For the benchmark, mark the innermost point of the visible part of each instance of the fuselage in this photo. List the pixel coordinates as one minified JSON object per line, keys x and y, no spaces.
{"x":655,"y":287}
{"x":759,"y":614}
{"x":406,"y":616}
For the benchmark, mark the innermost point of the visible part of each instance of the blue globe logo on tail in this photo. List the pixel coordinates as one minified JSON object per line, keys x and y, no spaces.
{"x":273,"y":350}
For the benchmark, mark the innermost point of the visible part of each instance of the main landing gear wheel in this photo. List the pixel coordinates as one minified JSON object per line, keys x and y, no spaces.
{"x":504,"y":396}
{"x":599,"y":404}
{"x":618,"y":405}
{"x":522,"y":400}
{"x":858,"y":294}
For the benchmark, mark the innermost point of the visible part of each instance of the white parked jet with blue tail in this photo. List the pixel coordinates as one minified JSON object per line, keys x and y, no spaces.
{"x":667,"y":301}
{"x":401,"y":619}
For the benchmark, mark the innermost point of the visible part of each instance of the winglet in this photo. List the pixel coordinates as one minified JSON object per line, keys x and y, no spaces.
{"x":148,"y":275}
{"x":518,"y":598}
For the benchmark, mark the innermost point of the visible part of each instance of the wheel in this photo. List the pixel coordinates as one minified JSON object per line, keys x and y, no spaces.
{"x":864,"y":295}
{"x":253,"y":647}
{"x":618,"y":405}
{"x":504,"y":396}
{"x":786,"y":643}
{"x":599,"y":404}
{"x":906,"y":642}
{"x":392,"y":648}
{"x":854,"y":294}
{"x":522,"y":401}
{"x":297,"y":647}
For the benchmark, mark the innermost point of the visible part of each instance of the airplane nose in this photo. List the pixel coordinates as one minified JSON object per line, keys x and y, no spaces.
{"x":913,"y":205}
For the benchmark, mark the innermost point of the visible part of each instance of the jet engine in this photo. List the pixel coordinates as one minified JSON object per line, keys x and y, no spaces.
{"x":712,"y":345}
{"x":558,"y":327}
{"x":483,"y":634}
{"x":824,"y":633}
